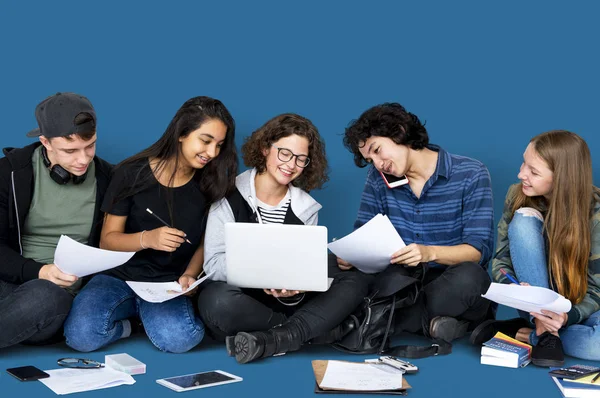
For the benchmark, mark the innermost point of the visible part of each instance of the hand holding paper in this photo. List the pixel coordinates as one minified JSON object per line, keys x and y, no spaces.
{"x":185,"y":281}
{"x":527,"y":298}
{"x":158,"y":292}
{"x":370,"y":247}
{"x":75,"y":258}
{"x":52,"y":273}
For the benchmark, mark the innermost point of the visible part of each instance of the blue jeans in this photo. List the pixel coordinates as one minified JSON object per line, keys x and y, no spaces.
{"x":32,"y":313}
{"x":96,"y":318}
{"x":528,"y":254}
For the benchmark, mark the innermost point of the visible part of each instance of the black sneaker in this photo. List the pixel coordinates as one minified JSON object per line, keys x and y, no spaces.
{"x":230,"y":345}
{"x":447,"y":328}
{"x":137,"y":327}
{"x":548,"y":352}
{"x":488,"y":329}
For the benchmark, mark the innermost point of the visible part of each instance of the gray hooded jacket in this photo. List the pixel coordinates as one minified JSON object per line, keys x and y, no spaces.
{"x":302,"y":205}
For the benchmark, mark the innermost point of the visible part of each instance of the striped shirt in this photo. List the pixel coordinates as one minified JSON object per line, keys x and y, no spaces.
{"x":274,"y":214}
{"x":455,"y":207}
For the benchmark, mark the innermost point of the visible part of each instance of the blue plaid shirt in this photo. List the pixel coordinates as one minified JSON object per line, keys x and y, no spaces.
{"x":455,"y":207}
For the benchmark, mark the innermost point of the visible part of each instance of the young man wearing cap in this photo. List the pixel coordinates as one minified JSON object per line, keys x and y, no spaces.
{"x":443,"y":211}
{"x":50,"y":188}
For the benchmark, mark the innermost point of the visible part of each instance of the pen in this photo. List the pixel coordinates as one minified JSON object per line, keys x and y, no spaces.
{"x":509,"y":276}
{"x":596,"y":377}
{"x":164,"y":222}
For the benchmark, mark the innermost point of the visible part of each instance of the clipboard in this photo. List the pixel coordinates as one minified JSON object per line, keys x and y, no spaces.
{"x":319,"y":368}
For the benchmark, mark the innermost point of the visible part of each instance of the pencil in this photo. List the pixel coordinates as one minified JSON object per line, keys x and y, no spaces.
{"x":596,"y":377}
{"x":509,"y":276}
{"x":164,"y":222}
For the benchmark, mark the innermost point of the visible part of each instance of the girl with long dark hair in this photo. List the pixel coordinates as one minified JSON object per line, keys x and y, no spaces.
{"x":191,"y":166}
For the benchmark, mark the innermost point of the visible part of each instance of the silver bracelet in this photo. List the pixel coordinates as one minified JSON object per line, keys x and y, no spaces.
{"x":299,"y":296}
{"x":142,"y":243}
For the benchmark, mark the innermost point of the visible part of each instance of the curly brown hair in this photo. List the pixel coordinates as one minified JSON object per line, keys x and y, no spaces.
{"x":315,"y":174}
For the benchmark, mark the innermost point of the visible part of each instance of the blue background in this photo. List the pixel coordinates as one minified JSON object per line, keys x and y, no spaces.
{"x":485,"y":77}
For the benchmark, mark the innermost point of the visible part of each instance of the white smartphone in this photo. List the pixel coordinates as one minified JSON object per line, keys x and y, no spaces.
{"x":198,"y":380}
{"x":405,"y":366}
{"x":393,"y":181}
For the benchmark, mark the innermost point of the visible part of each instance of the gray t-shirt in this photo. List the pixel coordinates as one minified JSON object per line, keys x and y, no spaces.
{"x":57,"y":210}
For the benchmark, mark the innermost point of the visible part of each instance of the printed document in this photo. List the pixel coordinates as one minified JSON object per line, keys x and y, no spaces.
{"x":68,"y":380}
{"x":349,"y":376}
{"x":158,"y":292}
{"x":527,"y":298}
{"x":370,"y":247}
{"x":75,"y":258}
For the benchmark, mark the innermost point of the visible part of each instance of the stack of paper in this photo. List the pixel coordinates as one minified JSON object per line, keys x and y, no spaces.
{"x":503,"y":350}
{"x":355,"y":377}
{"x":527,"y":298}
{"x":370,"y":247}
{"x":67,"y":381}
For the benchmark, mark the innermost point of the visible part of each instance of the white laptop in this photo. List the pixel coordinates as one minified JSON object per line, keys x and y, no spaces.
{"x":276,"y":256}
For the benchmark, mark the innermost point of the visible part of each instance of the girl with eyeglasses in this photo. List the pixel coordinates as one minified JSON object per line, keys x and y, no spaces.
{"x":287,"y":159}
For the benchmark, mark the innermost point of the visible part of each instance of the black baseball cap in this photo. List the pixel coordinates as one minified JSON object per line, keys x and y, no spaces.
{"x":56,"y":116}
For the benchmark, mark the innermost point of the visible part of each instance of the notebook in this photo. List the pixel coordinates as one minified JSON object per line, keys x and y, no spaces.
{"x":276,"y":256}
{"x":577,"y":389}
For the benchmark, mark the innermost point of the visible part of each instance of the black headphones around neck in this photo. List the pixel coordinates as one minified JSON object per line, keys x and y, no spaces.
{"x":58,"y":173}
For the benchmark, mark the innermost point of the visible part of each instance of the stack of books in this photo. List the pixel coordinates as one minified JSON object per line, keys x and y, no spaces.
{"x":502,"y":350}
{"x":578,"y":388}
{"x":577,"y":380}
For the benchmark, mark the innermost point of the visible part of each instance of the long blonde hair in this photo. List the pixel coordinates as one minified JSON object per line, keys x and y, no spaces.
{"x":567,"y":212}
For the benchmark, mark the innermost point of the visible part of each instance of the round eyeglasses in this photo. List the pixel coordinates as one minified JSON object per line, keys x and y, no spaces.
{"x":285,"y":155}
{"x":79,"y":363}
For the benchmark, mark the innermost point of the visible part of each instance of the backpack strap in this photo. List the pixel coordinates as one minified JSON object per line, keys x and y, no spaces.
{"x":438,"y":347}
{"x":386,"y":336}
{"x":240,"y":208}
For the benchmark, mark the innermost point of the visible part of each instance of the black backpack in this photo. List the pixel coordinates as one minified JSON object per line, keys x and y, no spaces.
{"x":374,"y":318}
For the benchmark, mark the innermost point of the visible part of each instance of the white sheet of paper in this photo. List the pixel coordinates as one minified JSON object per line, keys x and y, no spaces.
{"x":370,"y":247}
{"x":359,"y":377}
{"x":158,"y":292}
{"x":67,"y":380}
{"x":527,"y":298}
{"x":75,"y":258}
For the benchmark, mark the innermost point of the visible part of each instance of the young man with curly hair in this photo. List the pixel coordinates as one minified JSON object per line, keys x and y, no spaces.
{"x":444,"y":214}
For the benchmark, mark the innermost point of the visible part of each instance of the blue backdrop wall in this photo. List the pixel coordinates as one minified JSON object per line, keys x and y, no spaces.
{"x":485,"y":77}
